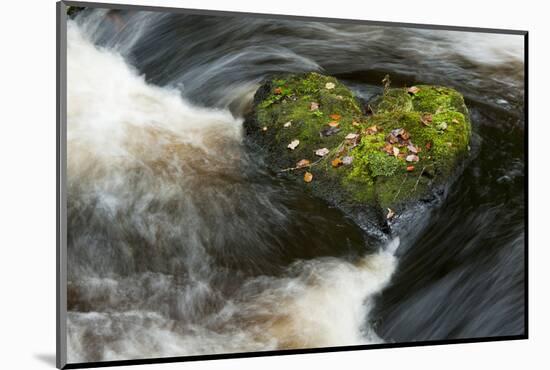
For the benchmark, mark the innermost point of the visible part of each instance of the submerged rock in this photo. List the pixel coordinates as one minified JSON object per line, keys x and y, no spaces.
{"x":401,"y":153}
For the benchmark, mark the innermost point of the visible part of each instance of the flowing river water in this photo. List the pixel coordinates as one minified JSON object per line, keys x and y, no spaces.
{"x":180,"y":242}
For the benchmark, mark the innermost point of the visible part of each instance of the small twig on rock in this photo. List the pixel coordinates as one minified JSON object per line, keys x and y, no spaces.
{"x":400,"y":186}
{"x":317,"y":161}
{"x":418,"y":180}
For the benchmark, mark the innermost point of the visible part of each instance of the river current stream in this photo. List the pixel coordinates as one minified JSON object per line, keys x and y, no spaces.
{"x":181,"y":242}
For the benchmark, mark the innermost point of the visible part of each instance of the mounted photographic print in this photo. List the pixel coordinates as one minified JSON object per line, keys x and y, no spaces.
{"x":234,"y":184}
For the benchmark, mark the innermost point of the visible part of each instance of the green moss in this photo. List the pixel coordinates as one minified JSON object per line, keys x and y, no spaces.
{"x":394,"y":100}
{"x":290,"y":99}
{"x":436,"y":99}
{"x":435,"y":118}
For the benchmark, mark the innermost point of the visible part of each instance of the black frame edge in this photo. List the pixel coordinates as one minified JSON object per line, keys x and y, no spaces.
{"x":61,"y":251}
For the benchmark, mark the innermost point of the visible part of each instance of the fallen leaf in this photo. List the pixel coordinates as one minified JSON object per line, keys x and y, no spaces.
{"x":288,"y":124}
{"x":412,"y":148}
{"x":355,"y":124}
{"x":395,"y":152}
{"x":264,"y":128}
{"x":308,"y":177}
{"x":372,"y":130}
{"x":313,"y":106}
{"x":429,"y":145}
{"x":351,"y":136}
{"x":390,"y":214}
{"x":303,"y":163}
{"x":392,"y":139}
{"x":426,"y":119}
{"x":410,"y":168}
{"x":347,"y":160}
{"x":388,"y":148}
{"x":412,"y":158}
{"x":413,"y":90}
{"x":397,"y":132}
{"x":337,"y":162}
{"x":293,"y":144}
{"x":329,"y":131}
{"x":454,"y":120}
{"x":322,"y":152}
{"x":405,"y":135}
{"x":333,"y":124}
{"x":335,"y":117}
{"x":330,"y":85}
{"x":278,"y":91}
{"x":442,"y":126}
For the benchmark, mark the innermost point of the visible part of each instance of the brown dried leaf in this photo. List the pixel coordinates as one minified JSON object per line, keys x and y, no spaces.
{"x":335,"y":117}
{"x":388,"y":148}
{"x":413,"y":90}
{"x":313,"y":106}
{"x":278,"y":91}
{"x":392,"y":139}
{"x":397,"y":132}
{"x":405,"y":135}
{"x":412,"y":158}
{"x":372,"y":130}
{"x":333,"y":124}
{"x":413,"y":149}
{"x":303,"y":163}
{"x":426,"y":119}
{"x":351,"y":136}
{"x":308,"y":177}
{"x":410,"y":168}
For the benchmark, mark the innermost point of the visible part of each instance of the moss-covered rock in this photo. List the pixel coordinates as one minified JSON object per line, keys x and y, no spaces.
{"x":412,"y":142}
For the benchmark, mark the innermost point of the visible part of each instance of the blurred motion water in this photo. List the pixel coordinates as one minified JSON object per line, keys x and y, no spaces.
{"x":181,"y":243}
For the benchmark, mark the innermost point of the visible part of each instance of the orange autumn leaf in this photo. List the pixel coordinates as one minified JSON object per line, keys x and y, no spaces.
{"x":335,"y":117}
{"x":308,"y":177}
{"x":278,"y":91}
{"x":337,"y":162}
{"x":303,"y":163}
{"x":410,"y":168}
{"x":333,"y":124}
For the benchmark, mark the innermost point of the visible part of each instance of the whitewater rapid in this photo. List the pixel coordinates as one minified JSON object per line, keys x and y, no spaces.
{"x":142,"y":160}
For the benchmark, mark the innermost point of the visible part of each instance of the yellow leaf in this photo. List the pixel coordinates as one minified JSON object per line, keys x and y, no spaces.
{"x":308,"y":177}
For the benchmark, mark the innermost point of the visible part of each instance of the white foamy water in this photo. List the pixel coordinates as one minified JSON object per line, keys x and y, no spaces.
{"x":134,"y":150}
